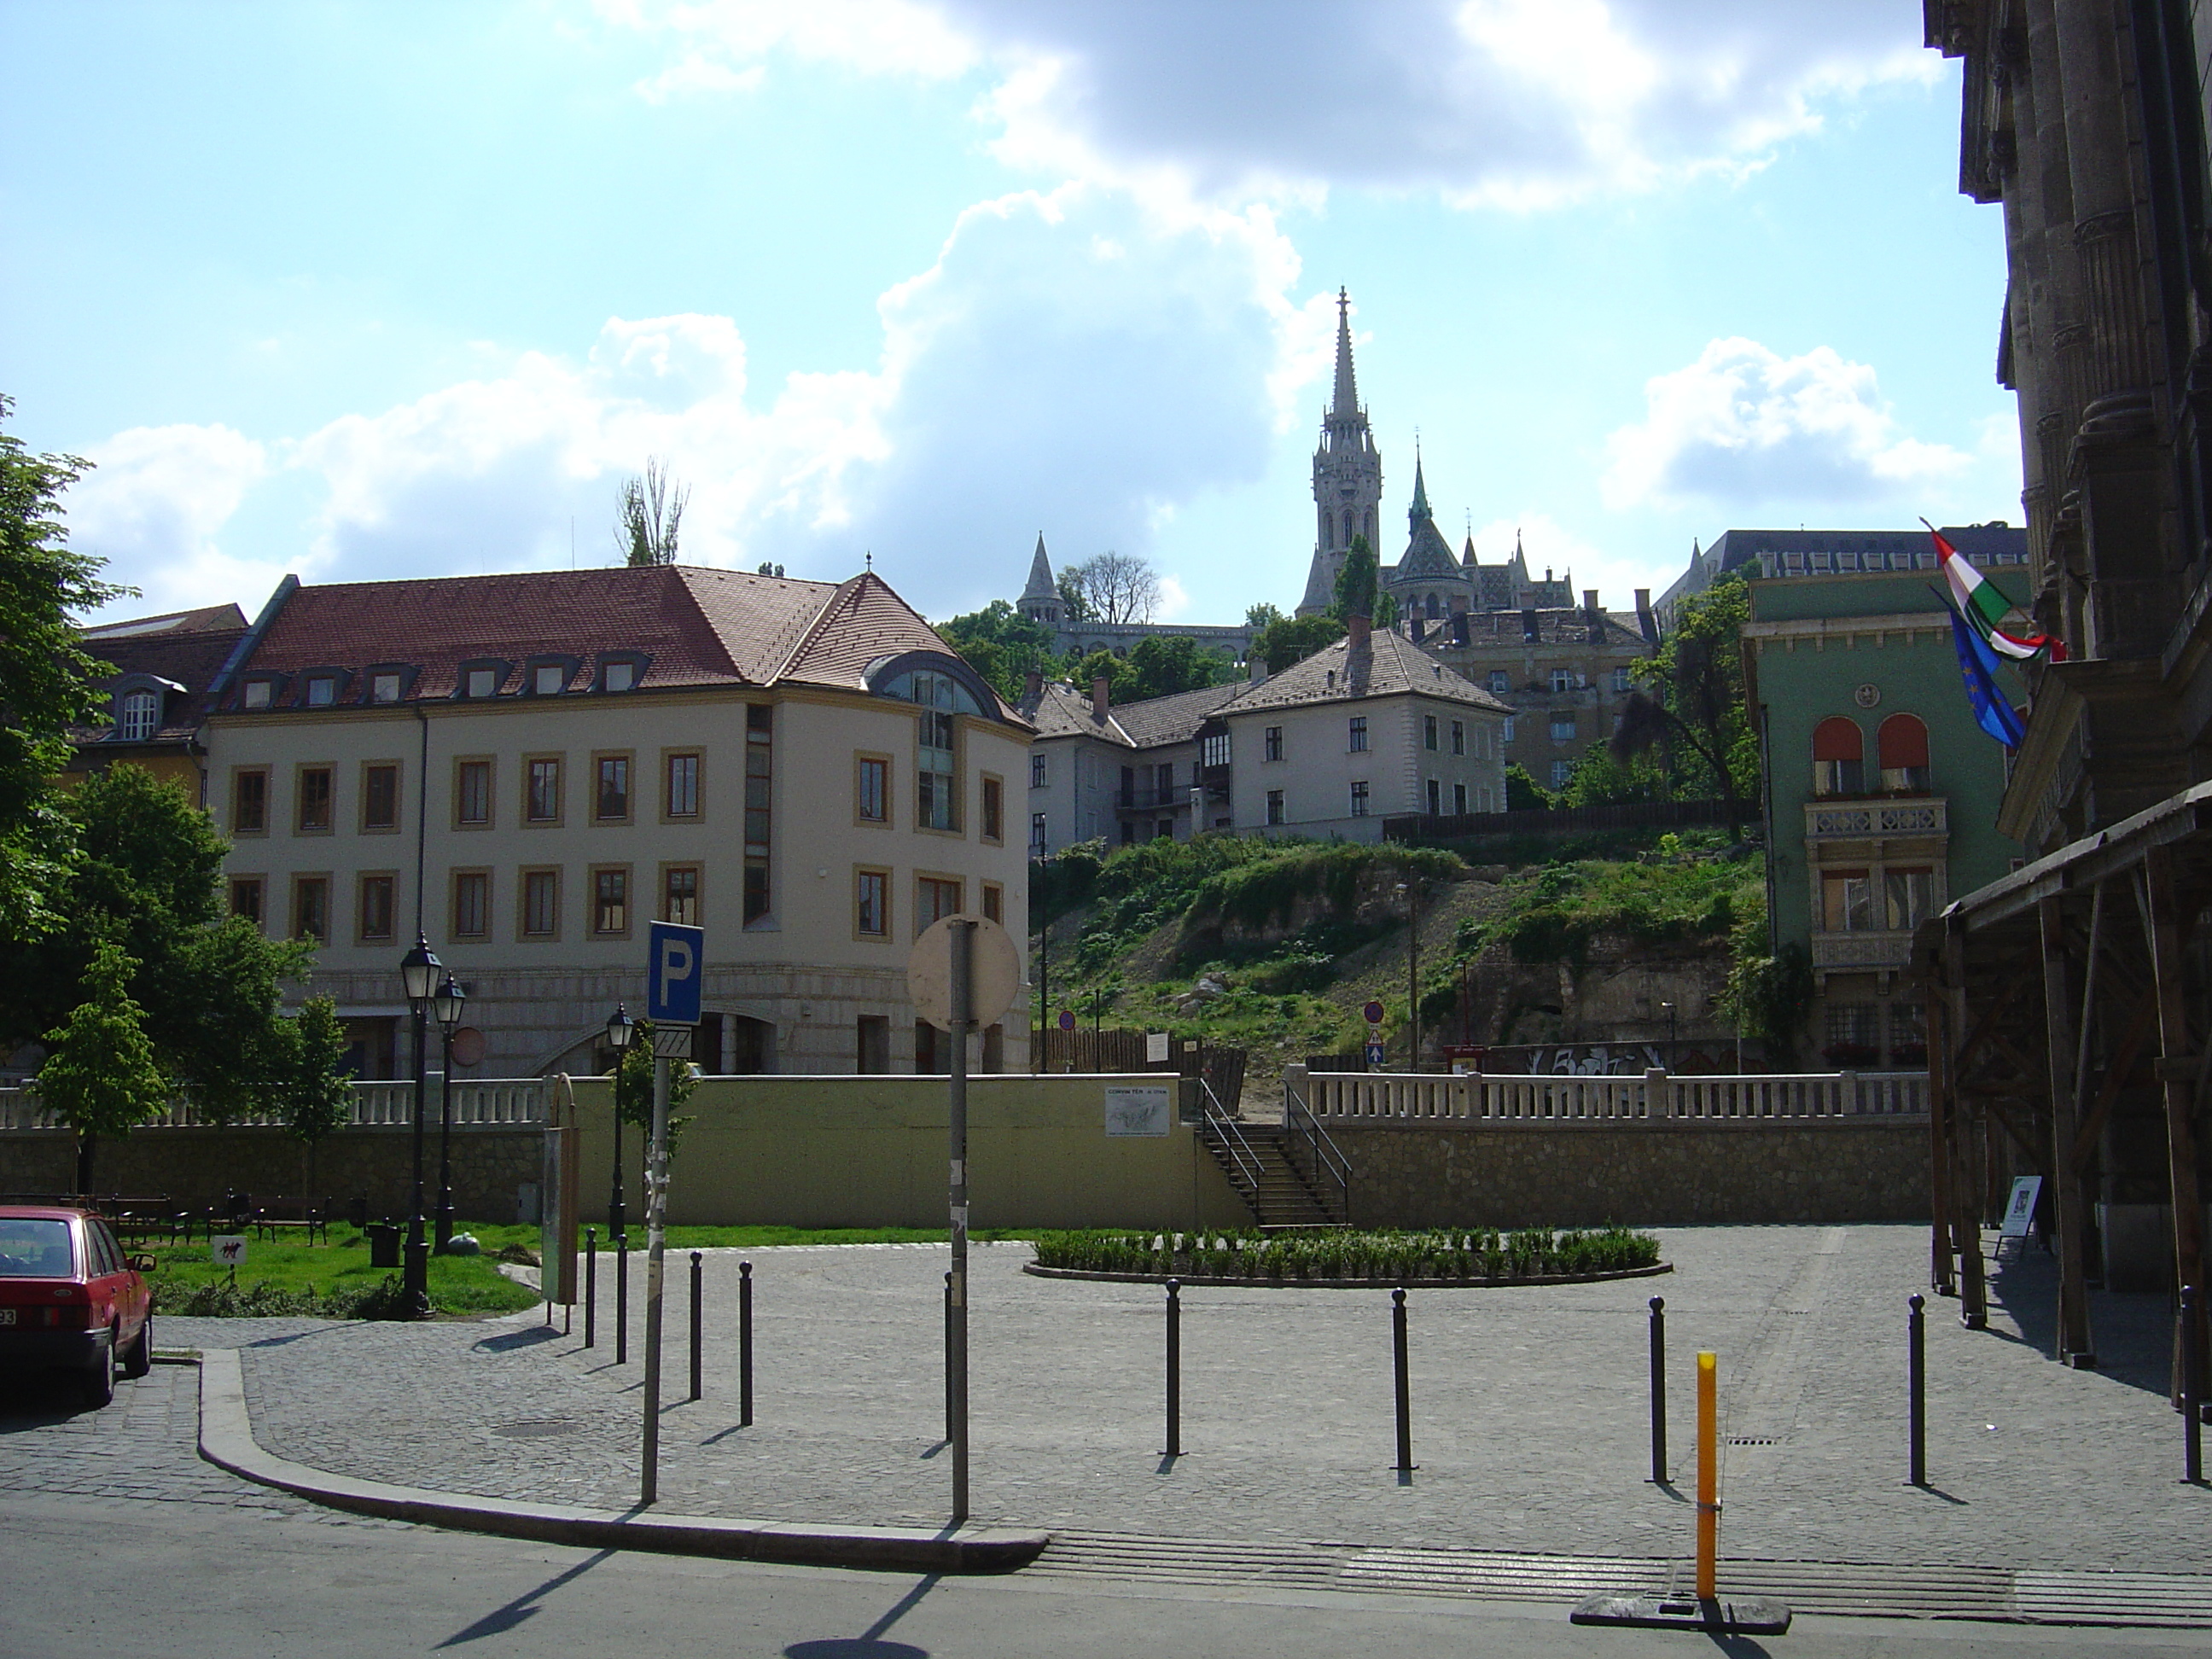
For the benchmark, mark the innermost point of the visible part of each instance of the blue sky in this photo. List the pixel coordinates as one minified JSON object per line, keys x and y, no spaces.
{"x":357,"y":291}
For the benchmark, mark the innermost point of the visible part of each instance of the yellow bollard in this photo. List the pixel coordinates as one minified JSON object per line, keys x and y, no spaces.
{"x":1708,"y":1509}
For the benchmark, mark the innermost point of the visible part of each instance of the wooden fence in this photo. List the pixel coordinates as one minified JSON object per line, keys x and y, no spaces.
{"x":1054,"y":1050}
{"x":1629,"y":815}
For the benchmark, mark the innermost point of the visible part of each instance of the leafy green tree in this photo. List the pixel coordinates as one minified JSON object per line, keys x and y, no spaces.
{"x":48,"y":681}
{"x":1165,"y":663}
{"x":1258,"y":617}
{"x":633,"y":1081}
{"x":1523,"y":794}
{"x":1290,"y":640}
{"x":1002,"y":645}
{"x":147,"y":879}
{"x":1121,"y":679}
{"x":99,"y":1076}
{"x":1694,"y":708}
{"x":1075,"y":604}
{"x":1386,"y":609}
{"x":1600,"y":778}
{"x":1357,"y":581}
{"x":314,"y":1091}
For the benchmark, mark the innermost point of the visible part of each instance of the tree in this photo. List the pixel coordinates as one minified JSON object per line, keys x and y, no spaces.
{"x":1102,"y":664}
{"x":1116,"y":587}
{"x":146,"y":879}
{"x":633,"y":1080}
{"x":1290,"y":640}
{"x":314,"y":1091}
{"x":1074,"y":597}
{"x":1386,"y":609}
{"x":1600,"y":778}
{"x":1523,"y":794}
{"x":1165,"y":663}
{"x":48,"y":681}
{"x":1695,"y":707}
{"x":99,"y":1076}
{"x":1357,"y":581}
{"x":1262,"y":616}
{"x":1002,"y":645}
{"x":651,"y":513}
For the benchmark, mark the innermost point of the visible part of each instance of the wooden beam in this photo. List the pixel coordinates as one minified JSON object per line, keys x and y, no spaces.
{"x":2075,"y":1347}
{"x":2116,"y":1077}
{"x":1986,"y":1026}
{"x":2178,"y":1071}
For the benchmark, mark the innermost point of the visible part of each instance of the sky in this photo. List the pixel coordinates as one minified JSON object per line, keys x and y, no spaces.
{"x":357,"y":291}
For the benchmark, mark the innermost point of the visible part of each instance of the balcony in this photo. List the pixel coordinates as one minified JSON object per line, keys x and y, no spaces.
{"x":1153,"y":800}
{"x":1874,"y":950}
{"x":1860,"y":818}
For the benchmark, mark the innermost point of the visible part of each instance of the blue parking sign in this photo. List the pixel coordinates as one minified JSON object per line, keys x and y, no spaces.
{"x":673,"y":973}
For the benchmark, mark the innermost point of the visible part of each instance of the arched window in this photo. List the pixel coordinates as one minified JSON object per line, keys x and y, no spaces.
{"x":1838,"y":757}
{"x":1432,"y":611}
{"x":139,"y":717}
{"x":1347,"y":527}
{"x":1902,"y":747}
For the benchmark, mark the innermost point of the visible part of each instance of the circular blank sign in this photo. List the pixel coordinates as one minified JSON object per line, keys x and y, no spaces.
{"x":994,"y":972}
{"x":468,"y":1046}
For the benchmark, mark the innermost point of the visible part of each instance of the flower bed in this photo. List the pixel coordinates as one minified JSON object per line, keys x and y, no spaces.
{"x":1479,"y":1256}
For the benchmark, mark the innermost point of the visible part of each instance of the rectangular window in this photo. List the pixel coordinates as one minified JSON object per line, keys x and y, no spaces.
{"x":1563,"y":728}
{"x":994,"y":809}
{"x":611,"y":902}
{"x":380,"y":796}
{"x":1840,"y":777}
{"x":1435,"y":797}
{"x":484,"y":682}
{"x":314,"y":802}
{"x":1458,"y":737}
{"x":542,"y":789}
{"x":875,"y":1045}
{"x":373,"y":916}
{"x":1507,"y":735}
{"x":1036,"y":835}
{"x":871,"y":915}
{"x":1459,"y":798}
{"x":311,"y":908}
{"x":679,"y":894}
{"x":1499,"y":684}
{"x":1429,"y":732}
{"x":1621,"y":679}
{"x":933,"y":897}
{"x":760,"y":778}
{"x":1561,"y":771}
{"x":1359,"y":799}
{"x":1358,"y":732}
{"x":245,"y":897}
{"x":619,"y":676}
{"x":541,"y":904}
{"x":472,"y":904}
{"x":322,"y":691}
{"x":473,"y":795}
{"x":1214,"y":750}
{"x":1162,"y":783}
{"x":1037,"y":771}
{"x":249,"y":802}
{"x":611,"y":788}
{"x":549,"y":680}
{"x":1910,"y":896}
{"x":1846,"y":900}
{"x":1563,"y":679}
{"x":994,"y":902}
{"x":936,"y":760}
{"x":259,"y":693}
{"x":383,"y":687}
{"x":679,"y":781}
{"x":1275,"y":806}
{"x":1271,"y":749}
{"x":872,"y":782}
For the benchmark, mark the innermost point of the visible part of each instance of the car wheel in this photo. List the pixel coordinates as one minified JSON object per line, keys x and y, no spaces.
{"x":138,"y":1358}
{"x":100,"y":1380}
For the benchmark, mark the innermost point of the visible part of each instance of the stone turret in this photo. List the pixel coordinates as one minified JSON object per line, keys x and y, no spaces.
{"x":1040,"y":600}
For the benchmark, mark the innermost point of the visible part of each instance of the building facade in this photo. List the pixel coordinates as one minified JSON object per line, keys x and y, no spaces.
{"x":525,"y":769}
{"x":163,"y":666}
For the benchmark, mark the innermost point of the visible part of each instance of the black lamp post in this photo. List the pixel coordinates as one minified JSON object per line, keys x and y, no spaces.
{"x":418,"y":977}
{"x":621,"y":1028}
{"x":447,"y":1005}
{"x":1669,"y":1007}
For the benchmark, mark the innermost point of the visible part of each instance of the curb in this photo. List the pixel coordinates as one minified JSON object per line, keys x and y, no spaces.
{"x":227,"y":1440}
{"x":1193,"y":1280}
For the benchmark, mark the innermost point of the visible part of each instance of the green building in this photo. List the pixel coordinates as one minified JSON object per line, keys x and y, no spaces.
{"x":1881,"y":792}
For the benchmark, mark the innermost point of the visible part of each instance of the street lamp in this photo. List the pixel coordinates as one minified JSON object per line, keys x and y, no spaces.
{"x":621,"y":1028}
{"x":447,"y":1005}
{"x":1670,"y":1008}
{"x":418,"y":974}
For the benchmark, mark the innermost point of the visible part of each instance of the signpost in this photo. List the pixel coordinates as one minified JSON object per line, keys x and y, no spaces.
{"x":1374,"y":1012}
{"x":674,"y":977}
{"x":2019,"y":1212}
{"x":962,"y":973}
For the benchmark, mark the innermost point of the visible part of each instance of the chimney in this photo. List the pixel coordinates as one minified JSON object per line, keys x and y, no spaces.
{"x":1594,"y":617}
{"x":1646,"y":623}
{"x":1590,"y":600}
{"x":1416,"y":623}
{"x":1257,"y":668}
{"x":1098,"y":698}
{"x":1459,"y":628}
{"x":1530,"y":634}
{"x":1033,"y":685}
{"x":1359,"y":633}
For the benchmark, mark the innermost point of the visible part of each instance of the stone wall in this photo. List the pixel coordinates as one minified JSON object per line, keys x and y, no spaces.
{"x":1671,"y":1173}
{"x":196,"y":1167}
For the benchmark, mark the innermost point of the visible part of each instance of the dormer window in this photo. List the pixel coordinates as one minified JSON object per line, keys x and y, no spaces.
{"x":322,"y":690}
{"x":620,"y":675}
{"x":549,"y":677}
{"x":257,"y":694}
{"x":137,"y":716}
{"x":383,"y":687}
{"x":482,"y":683}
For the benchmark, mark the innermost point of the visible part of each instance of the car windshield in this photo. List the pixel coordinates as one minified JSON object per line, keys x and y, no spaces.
{"x":33,"y":1249}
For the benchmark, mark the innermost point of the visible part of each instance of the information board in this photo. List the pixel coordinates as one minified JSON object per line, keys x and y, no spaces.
{"x":2020,"y":1208}
{"x":1137,"y":1110}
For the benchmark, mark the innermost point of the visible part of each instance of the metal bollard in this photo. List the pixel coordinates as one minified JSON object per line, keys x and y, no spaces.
{"x":590,"y":1286}
{"x":2192,"y":1390}
{"x":1915,"y":1347}
{"x":1405,"y":1464}
{"x":622,"y":1298}
{"x":949,"y":1402}
{"x":1175,"y":1368}
{"x":1658,"y":1391}
{"x":744,"y":1345}
{"x":697,"y":1300}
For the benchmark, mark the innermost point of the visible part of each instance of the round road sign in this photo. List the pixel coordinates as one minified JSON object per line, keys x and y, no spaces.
{"x":1067,"y":1019}
{"x":994,"y":972}
{"x":1374,"y":1011}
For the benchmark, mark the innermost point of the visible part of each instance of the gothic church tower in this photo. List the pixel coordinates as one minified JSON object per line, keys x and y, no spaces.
{"x":1347,"y":475}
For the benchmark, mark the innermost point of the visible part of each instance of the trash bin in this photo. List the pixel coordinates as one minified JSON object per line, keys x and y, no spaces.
{"x":357,"y":1210}
{"x":383,"y":1245}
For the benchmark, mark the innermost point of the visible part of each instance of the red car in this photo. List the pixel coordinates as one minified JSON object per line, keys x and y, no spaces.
{"x":70,"y":1299}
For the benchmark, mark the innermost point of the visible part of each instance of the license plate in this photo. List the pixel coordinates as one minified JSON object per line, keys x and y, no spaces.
{"x":6,"y":1315}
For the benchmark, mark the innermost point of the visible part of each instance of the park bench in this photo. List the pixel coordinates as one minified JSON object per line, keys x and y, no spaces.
{"x":138,"y":1219}
{"x":273,"y":1215}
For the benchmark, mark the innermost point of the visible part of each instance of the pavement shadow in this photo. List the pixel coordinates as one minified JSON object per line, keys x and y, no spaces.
{"x":529,"y":1338}
{"x":2132,"y":1330}
{"x":525,"y":1606}
{"x":870,"y":1644}
{"x":43,"y":1400}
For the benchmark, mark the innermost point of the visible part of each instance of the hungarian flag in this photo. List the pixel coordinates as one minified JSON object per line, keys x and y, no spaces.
{"x":1986,"y":609}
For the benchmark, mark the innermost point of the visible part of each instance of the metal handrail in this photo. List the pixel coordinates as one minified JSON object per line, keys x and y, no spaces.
{"x":1224,"y":1127}
{"x":1329,"y":1158}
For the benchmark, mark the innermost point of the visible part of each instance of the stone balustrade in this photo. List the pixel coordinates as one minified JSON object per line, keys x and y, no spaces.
{"x":1554,"y":1100}
{"x":516,"y":1101}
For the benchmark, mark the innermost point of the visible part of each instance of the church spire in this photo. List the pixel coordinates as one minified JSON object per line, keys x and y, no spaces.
{"x":1345,"y":404}
{"x":1039,"y":583}
{"x":1419,"y":510}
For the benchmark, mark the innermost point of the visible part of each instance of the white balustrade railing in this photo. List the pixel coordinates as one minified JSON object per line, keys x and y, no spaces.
{"x":1374,"y":1097}
{"x":519,"y":1101}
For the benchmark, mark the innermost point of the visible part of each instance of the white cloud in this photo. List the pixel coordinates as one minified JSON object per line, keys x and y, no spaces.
{"x":154,"y":505}
{"x":1743,"y":425}
{"x":1521,"y":103}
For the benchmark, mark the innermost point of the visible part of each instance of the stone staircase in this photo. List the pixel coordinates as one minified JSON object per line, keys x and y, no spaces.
{"x":1257,"y":1160}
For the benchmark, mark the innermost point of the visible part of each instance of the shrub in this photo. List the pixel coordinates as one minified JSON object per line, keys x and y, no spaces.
{"x":1483,"y":1253}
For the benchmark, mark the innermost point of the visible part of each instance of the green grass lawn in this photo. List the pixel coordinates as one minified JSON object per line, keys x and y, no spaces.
{"x":750,"y":1238}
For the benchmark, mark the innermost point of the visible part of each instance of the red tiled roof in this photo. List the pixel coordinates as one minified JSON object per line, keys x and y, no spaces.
{"x":185,"y":648}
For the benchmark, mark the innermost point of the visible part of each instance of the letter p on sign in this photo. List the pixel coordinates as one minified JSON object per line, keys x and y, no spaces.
{"x":673,"y":974}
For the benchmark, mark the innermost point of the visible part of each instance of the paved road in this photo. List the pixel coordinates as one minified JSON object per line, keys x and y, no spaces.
{"x":1530,"y":1409}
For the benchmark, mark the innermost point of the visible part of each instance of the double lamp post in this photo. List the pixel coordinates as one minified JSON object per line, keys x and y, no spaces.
{"x":430,"y":991}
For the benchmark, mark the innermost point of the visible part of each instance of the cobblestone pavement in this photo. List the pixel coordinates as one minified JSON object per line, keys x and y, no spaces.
{"x":1529,"y":1408}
